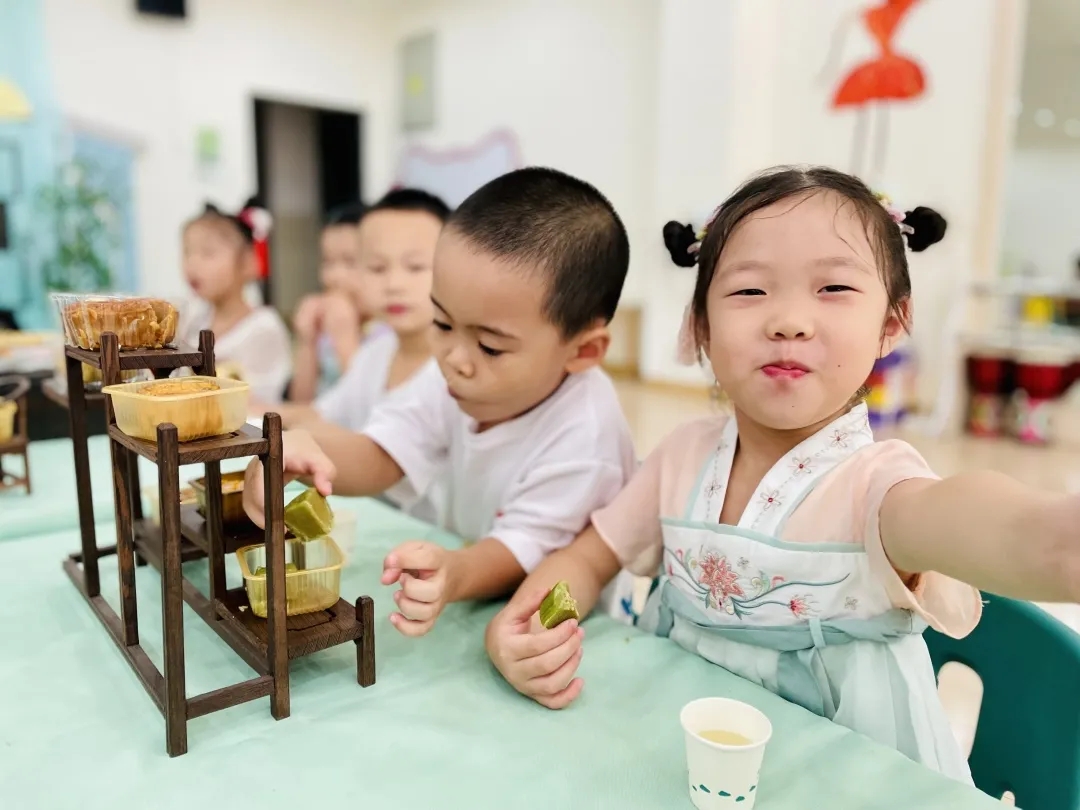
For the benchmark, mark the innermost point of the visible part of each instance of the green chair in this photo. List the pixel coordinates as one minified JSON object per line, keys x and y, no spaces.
{"x":1028,"y":737}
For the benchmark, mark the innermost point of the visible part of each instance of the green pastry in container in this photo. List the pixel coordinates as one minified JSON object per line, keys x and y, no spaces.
{"x":290,"y":568}
{"x":558,"y":606}
{"x":309,"y":516}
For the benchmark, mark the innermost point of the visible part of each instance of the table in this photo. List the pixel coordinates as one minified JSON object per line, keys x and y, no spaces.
{"x":52,"y":506}
{"x":438,"y":729}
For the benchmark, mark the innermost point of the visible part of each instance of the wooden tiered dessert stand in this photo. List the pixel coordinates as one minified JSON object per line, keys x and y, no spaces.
{"x":183,"y":534}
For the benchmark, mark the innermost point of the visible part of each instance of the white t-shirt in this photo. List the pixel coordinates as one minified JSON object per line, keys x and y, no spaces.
{"x":350,"y":401}
{"x":259,"y":346}
{"x":530,"y":483}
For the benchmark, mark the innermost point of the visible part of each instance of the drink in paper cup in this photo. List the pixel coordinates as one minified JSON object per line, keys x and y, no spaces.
{"x":725,"y":743}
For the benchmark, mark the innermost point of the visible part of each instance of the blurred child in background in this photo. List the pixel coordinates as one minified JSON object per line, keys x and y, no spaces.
{"x":251,"y":342}
{"x":329,"y":325}
{"x":398,"y":235}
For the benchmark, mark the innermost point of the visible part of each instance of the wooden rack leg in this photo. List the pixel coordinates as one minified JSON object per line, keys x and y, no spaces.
{"x":365,"y":645}
{"x":136,"y":499}
{"x":172,"y":600}
{"x":122,"y":500}
{"x":274,"y":492}
{"x":77,"y":416}
{"x":125,"y":543}
{"x":215,"y":543}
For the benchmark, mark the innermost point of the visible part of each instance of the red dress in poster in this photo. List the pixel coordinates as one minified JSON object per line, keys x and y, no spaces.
{"x":891,"y":77}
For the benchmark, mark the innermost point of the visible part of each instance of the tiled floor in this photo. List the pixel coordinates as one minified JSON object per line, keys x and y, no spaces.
{"x":653,"y":412}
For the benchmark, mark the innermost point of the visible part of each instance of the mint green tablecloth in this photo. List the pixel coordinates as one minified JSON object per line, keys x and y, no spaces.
{"x":52,"y":506}
{"x":438,"y":730}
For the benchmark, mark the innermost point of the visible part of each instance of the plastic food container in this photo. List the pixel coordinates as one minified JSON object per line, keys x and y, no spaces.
{"x":189,"y":403}
{"x":232,"y":496}
{"x":346,"y":523}
{"x":314,"y":586}
{"x":7,"y":420}
{"x":138,"y":323}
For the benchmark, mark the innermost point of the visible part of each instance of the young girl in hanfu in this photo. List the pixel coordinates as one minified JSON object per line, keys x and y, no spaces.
{"x":794,"y":550}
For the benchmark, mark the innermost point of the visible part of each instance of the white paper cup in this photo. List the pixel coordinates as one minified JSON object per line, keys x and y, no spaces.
{"x":720,"y":776}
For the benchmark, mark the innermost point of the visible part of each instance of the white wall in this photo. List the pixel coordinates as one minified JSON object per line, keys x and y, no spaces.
{"x":158,"y":81}
{"x":777,"y":111}
{"x":1042,"y":215}
{"x":935,"y":145}
{"x":573,"y":79}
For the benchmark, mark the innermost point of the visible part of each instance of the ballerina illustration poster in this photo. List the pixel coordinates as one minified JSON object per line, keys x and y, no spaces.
{"x":872,"y":87}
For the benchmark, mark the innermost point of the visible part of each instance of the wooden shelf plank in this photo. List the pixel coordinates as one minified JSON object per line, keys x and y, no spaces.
{"x":235,"y":535}
{"x":229,"y":696}
{"x":248,"y":441}
{"x":306,"y":634}
{"x":58,"y":394}
{"x":180,"y":357}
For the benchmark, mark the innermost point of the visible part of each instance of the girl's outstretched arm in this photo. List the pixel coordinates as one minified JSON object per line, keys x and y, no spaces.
{"x":987,"y":530}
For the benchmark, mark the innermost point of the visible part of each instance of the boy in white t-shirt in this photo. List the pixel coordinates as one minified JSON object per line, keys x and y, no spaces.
{"x":251,"y":343}
{"x":528,"y":273}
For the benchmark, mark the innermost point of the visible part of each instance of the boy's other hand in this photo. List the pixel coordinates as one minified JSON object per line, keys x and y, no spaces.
{"x":539,"y":663}
{"x":301,"y":458}
{"x":422,"y":569}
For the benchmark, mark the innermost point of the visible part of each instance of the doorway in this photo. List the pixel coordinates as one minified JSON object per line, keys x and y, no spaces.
{"x":308,"y":162}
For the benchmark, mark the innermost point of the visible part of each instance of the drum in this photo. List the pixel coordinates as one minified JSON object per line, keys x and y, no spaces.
{"x":1042,"y":376}
{"x":991,"y":380}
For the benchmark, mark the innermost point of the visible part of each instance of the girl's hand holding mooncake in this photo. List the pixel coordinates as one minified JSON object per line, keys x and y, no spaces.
{"x":539,"y":663}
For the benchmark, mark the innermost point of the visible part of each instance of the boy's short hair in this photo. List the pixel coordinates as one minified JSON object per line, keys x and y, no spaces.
{"x":412,"y":199}
{"x":348,"y":214}
{"x":540,"y":216}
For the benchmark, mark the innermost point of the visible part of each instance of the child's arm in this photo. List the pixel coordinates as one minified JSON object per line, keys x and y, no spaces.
{"x":987,"y":530}
{"x":305,"y":379}
{"x":307,"y":324}
{"x":352,"y":464}
{"x":341,"y":322}
{"x":541,"y":663}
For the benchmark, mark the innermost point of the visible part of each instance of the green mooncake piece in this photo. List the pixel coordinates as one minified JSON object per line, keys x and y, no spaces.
{"x":289,"y":569}
{"x":558,"y":606}
{"x":308,"y":515}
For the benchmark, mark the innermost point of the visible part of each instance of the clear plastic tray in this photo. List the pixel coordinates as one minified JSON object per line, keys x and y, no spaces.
{"x":232,"y":496}
{"x":315,"y":586}
{"x":138,"y":322}
{"x":197,"y":414}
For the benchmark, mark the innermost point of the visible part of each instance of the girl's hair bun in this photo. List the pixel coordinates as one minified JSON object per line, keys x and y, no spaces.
{"x":678,"y":239}
{"x":927,"y":228}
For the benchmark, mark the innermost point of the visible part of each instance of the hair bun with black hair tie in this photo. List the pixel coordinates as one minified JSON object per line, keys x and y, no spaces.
{"x":927,"y":228}
{"x":678,"y":239}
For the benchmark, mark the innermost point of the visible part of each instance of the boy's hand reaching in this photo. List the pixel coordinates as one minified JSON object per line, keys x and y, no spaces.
{"x":423,"y":571}
{"x":301,"y":457}
{"x":537,"y":662}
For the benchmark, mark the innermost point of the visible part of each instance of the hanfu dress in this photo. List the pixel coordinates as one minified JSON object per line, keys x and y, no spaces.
{"x":799,"y":596}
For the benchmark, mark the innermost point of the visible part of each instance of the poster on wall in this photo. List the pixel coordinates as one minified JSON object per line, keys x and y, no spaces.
{"x":418,"y":78}
{"x":872,"y":87}
{"x":455,"y":173}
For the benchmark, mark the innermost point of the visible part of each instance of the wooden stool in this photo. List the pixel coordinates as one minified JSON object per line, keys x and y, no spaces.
{"x":13,"y":439}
